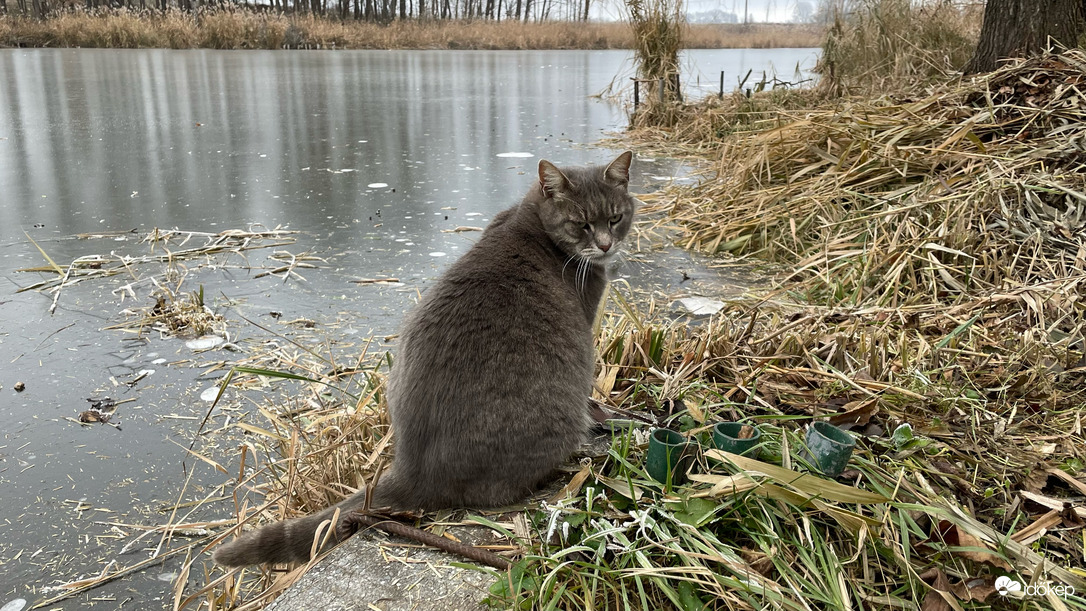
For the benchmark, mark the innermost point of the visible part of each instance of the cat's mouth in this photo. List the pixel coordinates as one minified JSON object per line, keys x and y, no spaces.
{"x":598,"y":257}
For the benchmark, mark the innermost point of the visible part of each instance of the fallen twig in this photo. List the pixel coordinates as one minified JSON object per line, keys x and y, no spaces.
{"x":454,"y":547}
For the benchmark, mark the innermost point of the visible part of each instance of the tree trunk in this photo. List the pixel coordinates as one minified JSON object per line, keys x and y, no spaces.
{"x":585,"y":18}
{"x":1016,"y":28}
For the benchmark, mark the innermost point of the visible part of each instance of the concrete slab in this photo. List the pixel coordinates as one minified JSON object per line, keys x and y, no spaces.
{"x":373,"y":572}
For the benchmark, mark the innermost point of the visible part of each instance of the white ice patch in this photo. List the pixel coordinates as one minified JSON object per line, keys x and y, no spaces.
{"x":207,"y":342}
{"x":377,"y":185}
{"x":15,"y":605}
{"x":210,"y":394}
{"x":701,"y":306}
{"x":437,"y":253}
{"x":517,"y":155}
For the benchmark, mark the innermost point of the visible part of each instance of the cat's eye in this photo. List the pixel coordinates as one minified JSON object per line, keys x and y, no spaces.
{"x":616,"y":218}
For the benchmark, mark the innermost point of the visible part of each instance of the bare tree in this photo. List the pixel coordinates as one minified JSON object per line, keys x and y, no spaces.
{"x":1013,"y":28}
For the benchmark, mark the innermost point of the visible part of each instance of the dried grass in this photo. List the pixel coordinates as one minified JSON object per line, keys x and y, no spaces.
{"x":174,"y":248}
{"x":657,"y":27}
{"x":971,"y":190}
{"x":936,"y":278}
{"x":889,"y":43}
{"x":239,"y":29}
{"x":752,"y":534}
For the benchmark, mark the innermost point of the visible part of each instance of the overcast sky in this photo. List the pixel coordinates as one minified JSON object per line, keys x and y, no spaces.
{"x":775,"y":10}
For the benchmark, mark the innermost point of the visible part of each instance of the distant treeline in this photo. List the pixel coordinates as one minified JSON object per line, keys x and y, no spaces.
{"x":375,"y":11}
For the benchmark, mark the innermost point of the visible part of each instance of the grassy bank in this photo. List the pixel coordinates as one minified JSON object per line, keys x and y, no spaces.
{"x":247,"y":30}
{"x":934,"y":260}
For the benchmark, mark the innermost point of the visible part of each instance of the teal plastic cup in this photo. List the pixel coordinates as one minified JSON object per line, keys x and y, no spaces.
{"x":737,"y":438}
{"x":669,"y":457}
{"x":829,"y":447}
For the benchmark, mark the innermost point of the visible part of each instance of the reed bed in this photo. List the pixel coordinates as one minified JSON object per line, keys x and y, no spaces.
{"x":881,"y":43}
{"x":238,"y":29}
{"x":932,"y":301}
{"x":974,"y":189}
{"x":657,"y":27}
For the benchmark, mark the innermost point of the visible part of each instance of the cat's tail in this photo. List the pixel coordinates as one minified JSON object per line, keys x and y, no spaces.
{"x":292,"y":540}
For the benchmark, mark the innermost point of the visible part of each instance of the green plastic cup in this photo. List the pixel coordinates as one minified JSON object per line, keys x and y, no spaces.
{"x":737,"y":438}
{"x":669,"y":457}
{"x":829,"y":447}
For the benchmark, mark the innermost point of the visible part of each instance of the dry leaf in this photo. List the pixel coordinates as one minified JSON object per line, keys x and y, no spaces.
{"x":938,"y":597}
{"x":955,"y":536}
{"x":856,"y":412}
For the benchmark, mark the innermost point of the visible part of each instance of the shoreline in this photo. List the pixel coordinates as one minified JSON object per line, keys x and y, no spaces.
{"x":127,"y":29}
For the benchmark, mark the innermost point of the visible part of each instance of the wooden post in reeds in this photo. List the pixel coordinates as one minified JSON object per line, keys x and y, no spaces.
{"x":720,"y":96}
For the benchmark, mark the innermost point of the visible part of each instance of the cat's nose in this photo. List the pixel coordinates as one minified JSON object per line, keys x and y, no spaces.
{"x":605,"y":246}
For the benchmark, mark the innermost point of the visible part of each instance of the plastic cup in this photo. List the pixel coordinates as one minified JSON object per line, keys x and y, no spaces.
{"x":669,"y":457}
{"x":829,"y":447}
{"x":729,"y":437}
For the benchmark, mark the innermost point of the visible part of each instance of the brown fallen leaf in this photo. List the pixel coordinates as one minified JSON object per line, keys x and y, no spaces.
{"x":93,"y":415}
{"x":938,"y":597}
{"x":974,"y":589}
{"x":759,"y":561}
{"x":974,"y":549}
{"x":856,"y":412}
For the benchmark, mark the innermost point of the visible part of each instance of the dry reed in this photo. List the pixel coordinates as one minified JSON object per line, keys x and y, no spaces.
{"x":657,"y":27}
{"x":936,"y":278}
{"x":871,"y":370}
{"x":974,"y":187}
{"x":881,"y":43}
{"x":237,"y":29}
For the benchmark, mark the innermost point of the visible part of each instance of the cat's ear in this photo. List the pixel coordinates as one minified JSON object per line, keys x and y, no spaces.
{"x":618,"y":171}
{"x":551,"y":179}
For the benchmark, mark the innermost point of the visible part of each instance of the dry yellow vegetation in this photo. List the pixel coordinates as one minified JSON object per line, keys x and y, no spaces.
{"x":238,"y":29}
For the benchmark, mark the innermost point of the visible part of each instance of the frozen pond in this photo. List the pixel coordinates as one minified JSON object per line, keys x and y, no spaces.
{"x":375,"y":157}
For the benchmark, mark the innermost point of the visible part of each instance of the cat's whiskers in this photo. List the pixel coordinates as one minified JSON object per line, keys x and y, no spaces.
{"x":572,"y":257}
{"x":582,"y":274}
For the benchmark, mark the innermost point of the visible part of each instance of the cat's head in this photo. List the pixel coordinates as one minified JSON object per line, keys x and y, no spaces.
{"x":587,"y":211}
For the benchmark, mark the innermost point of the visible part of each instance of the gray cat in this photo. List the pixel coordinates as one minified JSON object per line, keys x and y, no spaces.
{"x":488,"y":395}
